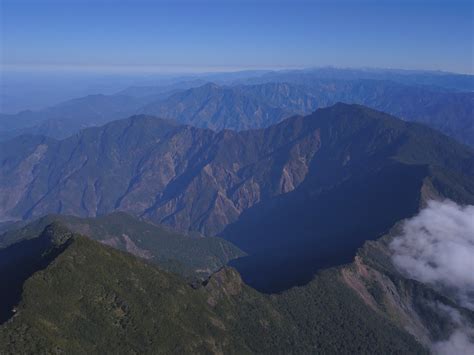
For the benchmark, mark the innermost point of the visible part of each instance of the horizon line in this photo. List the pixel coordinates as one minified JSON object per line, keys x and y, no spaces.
{"x":204,"y":69}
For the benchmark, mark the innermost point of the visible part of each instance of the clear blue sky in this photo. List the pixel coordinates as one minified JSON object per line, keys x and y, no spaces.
{"x":415,"y":34}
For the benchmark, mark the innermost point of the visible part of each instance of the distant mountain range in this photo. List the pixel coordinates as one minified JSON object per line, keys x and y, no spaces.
{"x":436,"y":80}
{"x":443,"y":101}
{"x":336,"y":178}
{"x":69,"y":117}
{"x":217,"y":108}
{"x":259,"y":106}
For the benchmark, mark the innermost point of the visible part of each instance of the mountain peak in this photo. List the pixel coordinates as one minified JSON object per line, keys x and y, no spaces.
{"x":210,"y":85}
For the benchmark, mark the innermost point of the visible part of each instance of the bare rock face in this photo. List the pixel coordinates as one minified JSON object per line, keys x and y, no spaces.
{"x":391,"y":300}
{"x":186,"y":177}
{"x":420,"y":309}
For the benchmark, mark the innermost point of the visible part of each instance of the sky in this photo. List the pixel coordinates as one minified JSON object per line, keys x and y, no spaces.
{"x":199,"y":35}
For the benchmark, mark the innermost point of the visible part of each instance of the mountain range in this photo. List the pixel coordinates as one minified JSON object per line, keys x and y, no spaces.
{"x":441,"y":101}
{"x":147,"y":235}
{"x":278,"y":193}
{"x":259,"y":106}
{"x":437,"y":80}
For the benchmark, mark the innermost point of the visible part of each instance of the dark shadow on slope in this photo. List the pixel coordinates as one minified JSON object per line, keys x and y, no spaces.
{"x":20,"y":261}
{"x":292,"y":237}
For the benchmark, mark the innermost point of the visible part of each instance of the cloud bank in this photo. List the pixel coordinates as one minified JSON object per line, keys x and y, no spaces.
{"x":436,"y":247}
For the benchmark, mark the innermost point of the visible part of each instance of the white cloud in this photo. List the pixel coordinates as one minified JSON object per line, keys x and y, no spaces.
{"x":437,"y":247}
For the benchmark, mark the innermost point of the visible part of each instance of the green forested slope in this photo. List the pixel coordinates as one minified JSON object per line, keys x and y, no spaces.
{"x":183,"y":254}
{"x":94,"y":299}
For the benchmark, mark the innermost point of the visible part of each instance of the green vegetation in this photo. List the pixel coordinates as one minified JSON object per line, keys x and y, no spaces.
{"x":189,"y":256}
{"x":327,"y":306}
{"x":95,"y":299}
